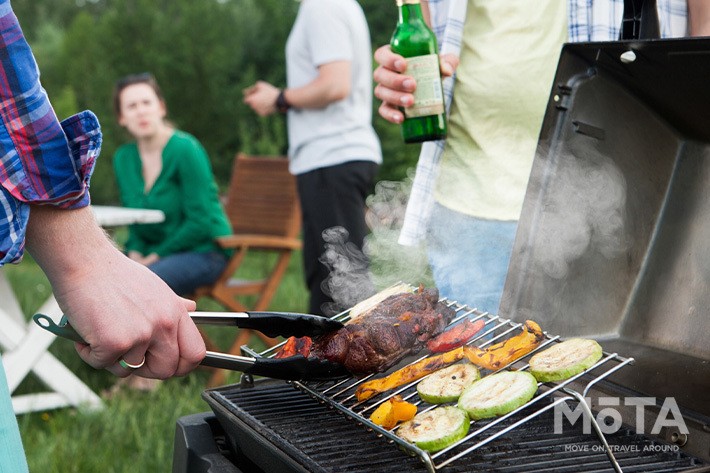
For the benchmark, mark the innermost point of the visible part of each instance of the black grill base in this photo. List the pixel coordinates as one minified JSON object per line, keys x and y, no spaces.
{"x":281,"y":429}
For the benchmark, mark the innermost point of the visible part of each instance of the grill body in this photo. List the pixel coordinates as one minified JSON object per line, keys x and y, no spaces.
{"x":273,"y":427}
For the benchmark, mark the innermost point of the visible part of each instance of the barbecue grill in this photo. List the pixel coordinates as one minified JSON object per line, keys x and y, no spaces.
{"x":611,"y":245}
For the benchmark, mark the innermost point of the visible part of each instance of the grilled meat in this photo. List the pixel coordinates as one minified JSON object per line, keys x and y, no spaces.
{"x":382,"y":336}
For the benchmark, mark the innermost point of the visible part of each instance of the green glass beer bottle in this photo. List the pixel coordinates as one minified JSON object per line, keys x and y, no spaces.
{"x":414,"y":40}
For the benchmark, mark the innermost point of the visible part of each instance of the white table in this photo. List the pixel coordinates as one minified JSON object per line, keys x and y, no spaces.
{"x":107,"y":216}
{"x":25,"y":345}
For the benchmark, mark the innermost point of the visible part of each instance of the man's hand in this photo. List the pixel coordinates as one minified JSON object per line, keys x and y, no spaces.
{"x":144,"y":260}
{"x":261,"y":97}
{"x":394,"y":87}
{"x":122,"y":309}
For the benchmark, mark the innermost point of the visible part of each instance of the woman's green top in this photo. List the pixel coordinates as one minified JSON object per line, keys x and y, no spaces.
{"x":185,"y":191}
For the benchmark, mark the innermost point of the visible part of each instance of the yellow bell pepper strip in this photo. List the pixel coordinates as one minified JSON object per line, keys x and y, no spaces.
{"x":408,"y":374}
{"x":501,"y":354}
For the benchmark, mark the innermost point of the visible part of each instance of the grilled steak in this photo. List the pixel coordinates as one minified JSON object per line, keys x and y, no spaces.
{"x":379,"y":338}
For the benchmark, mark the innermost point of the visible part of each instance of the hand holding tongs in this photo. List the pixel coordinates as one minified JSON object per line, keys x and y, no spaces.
{"x":271,"y":324}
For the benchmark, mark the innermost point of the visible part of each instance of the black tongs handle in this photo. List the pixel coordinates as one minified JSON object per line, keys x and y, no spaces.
{"x":271,"y":324}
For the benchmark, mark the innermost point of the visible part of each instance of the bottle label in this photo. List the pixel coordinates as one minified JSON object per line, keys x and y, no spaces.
{"x":428,"y":98}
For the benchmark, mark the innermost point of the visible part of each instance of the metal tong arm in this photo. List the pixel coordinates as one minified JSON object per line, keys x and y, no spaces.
{"x":271,"y":324}
{"x":295,"y":367}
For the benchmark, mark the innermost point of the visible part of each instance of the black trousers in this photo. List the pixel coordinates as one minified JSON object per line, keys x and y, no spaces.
{"x":331,"y":197}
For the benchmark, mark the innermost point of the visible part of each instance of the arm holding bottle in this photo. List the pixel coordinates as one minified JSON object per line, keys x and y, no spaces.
{"x":394,"y":87}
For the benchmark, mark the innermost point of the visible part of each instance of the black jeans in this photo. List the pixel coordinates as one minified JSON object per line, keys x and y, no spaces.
{"x":331,"y":197}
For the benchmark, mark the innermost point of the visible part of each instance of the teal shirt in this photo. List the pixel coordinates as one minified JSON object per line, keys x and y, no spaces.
{"x":185,"y":191}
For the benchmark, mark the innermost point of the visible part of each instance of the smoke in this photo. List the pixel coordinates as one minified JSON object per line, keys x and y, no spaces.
{"x":356,"y":275}
{"x":349,"y":279}
{"x":391,"y":261}
{"x":585,"y":210}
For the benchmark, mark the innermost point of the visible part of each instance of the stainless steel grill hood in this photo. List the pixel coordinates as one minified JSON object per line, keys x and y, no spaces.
{"x":614,"y":238}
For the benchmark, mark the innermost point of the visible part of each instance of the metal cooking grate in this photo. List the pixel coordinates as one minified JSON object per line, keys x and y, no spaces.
{"x":340,"y":396}
{"x":320,"y":439}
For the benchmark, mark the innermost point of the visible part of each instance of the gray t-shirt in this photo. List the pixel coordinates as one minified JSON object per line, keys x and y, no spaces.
{"x":327,"y":31}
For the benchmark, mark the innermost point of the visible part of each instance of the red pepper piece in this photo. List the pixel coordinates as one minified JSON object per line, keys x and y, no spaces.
{"x":295,"y":346}
{"x":455,"y":337}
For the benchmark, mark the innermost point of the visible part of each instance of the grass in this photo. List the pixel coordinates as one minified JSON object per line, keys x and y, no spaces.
{"x":134,"y":432}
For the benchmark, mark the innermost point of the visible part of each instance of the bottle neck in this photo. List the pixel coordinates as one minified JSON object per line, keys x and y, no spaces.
{"x":409,"y":11}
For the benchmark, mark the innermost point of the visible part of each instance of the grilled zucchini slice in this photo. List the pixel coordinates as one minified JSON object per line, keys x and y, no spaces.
{"x":498,"y":394}
{"x":436,"y":429}
{"x":447,"y":384}
{"x":565,"y":359}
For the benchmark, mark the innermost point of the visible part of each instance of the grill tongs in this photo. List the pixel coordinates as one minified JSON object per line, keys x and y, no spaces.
{"x":272,"y":324}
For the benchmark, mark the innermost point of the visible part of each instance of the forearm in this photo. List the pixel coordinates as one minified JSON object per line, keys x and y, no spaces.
{"x":64,"y":242}
{"x":332,"y":84}
{"x":699,"y":17}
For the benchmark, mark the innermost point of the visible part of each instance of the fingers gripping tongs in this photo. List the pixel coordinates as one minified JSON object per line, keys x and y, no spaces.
{"x":272,"y":324}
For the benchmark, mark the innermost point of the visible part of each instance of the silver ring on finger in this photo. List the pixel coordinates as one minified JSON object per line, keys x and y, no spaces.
{"x":128,"y":366}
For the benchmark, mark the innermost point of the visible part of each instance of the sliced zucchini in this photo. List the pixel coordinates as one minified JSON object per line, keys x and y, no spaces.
{"x":447,"y":384}
{"x":436,"y":429}
{"x":565,"y":359}
{"x":498,"y":394}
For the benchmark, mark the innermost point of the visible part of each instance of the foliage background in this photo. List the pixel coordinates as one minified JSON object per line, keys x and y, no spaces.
{"x":203,"y":53}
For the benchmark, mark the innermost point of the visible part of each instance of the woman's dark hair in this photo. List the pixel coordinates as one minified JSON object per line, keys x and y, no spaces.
{"x":142,"y":78}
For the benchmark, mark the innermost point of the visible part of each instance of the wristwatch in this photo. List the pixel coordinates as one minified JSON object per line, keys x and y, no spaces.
{"x":282,"y":104}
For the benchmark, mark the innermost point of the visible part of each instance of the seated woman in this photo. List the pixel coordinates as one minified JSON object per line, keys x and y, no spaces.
{"x":167,"y":169}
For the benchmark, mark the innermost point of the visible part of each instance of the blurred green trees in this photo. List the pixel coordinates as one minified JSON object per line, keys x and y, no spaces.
{"x":203,"y":53}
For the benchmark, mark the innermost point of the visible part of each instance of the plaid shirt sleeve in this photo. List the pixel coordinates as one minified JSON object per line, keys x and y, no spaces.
{"x":595,"y":20}
{"x":42,"y":161}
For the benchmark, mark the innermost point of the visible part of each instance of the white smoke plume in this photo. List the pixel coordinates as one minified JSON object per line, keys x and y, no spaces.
{"x":585,"y":210}
{"x":350,"y":280}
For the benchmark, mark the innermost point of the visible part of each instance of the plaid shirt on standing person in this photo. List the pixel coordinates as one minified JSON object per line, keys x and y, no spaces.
{"x":42,"y":161}
{"x":588,"y":20}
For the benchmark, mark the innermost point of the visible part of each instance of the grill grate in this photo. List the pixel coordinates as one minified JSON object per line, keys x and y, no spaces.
{"x":340,"y":397}
{"x":318,"y":438}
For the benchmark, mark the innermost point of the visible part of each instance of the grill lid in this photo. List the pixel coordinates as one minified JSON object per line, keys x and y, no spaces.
{"x":612,"y":240}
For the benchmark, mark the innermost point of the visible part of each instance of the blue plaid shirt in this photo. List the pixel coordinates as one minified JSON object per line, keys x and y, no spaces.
{"x":42,"y":161}
{"x":588,"y":20}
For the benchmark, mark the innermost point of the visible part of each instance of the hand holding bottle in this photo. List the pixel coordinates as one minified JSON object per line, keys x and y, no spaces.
{"x":425,"y":118}
{"x":394,"y":87}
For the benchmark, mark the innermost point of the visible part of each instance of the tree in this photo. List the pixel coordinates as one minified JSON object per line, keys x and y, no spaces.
{"x":203,"y":53}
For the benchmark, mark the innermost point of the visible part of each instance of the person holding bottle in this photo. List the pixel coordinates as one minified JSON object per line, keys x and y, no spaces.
{"x":168,"y":170}
{"x":468,"y":190}
{"x":333,"y":149}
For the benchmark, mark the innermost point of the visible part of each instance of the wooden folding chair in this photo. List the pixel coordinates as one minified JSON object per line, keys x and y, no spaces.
{"x":262,"y":206}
